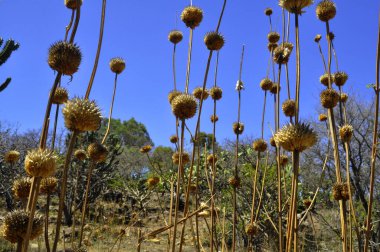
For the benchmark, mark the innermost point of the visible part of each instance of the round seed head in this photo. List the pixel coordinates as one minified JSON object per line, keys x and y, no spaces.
{"x":82,"y":115}
{"x":197,"y":92}
{"x":192,"y":16}
{"x":64,"y":57}
{"x":288,"y":46}
{"x":238,"y":128}
{"x":72,"y":4}
{"x":234,"y":182}
{"x":275,"y":88}
{"x":296,"y":137}
{"x":272,"y":46}
{"x":340,"y":78}
{"x":12,"y":156}
{"x":175,"y":36}
{"x":326,"y":10}
{"x":283,"y":160}
{"x":295,"y":6}
{"x":251,"y":229}
{"x":289,"y":108}
{"x":21,"y":187}
{"x":173,"y":94}
{"x":346,"y":191}
{"x":97,"y":152}
{"x":214,"y":41}
{"x":266,"y":84}
{"x":185,"y":158}
{"x":273,"y":37}
{"x":329,"y":98}
{"x":346,"y":132}
{"x":260,"y":145}
{"x":80,"y":154}
{"x":117,"y":65}
{"x":307,"y":203}
{"x":324,"y":79}
{"x":145,"y":149}
{"x":337,"y":191}
{"x":317,"y":38}
{"x":48,"y":185}
{"x":268,"y":11}
{"x":331,"y":36}
{"x":40,"y":163}
{"x":216,"y":93}
{"x":281,"y":55}
{"x":153,"y":181}
{"x":60,"y":96}
{"x":343,"y":97}
{"x":272,"y":142}
{"x":214,"y":118}
{"x":184,"y":106}
{"x":322,"y":117}
{"x":211,"y":159}
{"x":173,"y":139}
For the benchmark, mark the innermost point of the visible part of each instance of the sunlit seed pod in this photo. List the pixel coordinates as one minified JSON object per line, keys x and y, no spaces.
{"x":266,"y":84}
{"x":185,"y":158}
{"x":12,"y":156}
{"x":273,"y":37}
{"x":173,"y":139}
{"x":239,"y":85}
{"x":337,"y":191}
{"x":82,"y":115}
{"x":211,"y":159}
{"x":346,"y":132}
{"x":346,"y":191}
{"x":259,"y":145}
{"x":204,"y":213}
{"x":214,"y":41}
{"x":146,"y":149}
{"x":64,"y":57}
{"x":295,"y":6}
{"x":214,"y":118}
{"x":326,"y":10}
{"x":48,"y":185}
{"x":97,"y":152}
{"x":184,"y":106}
{"x":216,"y":93}
{"x":21,"y":187}
{"x":287,"y":45}
{"x":238,"y":128}
{"x":317,"y":38}
{"x":322,"y":117}
{"x":272,"y":142}
{"x":73,"y":4}
{"x":268,"y":11}
{"x":296,"y":137}
{"x":175,"y":36}
{"x":272,"y":46}
{"x":331,"y":36}
{"x":340,"y":78}
{"x":192,"y":16}
{"x":173,"y":94}
{"x":275,"y":88}
{"x":251,"y":229}
{"x":329,"y":98}
{"x":343,"y":97}
{"x":289,"y":108}
{"x":324,"y":79}
{"x":80,"y":154}
{"x":281,"y":55}
{"x":153,"y":181}
{"x":60,"y":95}
{"x":40,"y":163}
{"x":283,"y":160}
{"x":198,"y":93}
{"x":117,"y":65}
{"x":235,"y":182}
{"x":307,"y":203}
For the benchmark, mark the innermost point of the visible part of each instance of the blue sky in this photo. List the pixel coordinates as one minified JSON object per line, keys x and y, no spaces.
{"x":137,"y":31}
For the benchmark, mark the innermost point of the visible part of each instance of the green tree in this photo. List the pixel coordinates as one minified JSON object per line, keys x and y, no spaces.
{"x":9,"y":47}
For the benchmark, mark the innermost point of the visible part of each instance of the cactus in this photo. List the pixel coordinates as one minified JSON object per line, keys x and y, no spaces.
{"x":9,"y":47}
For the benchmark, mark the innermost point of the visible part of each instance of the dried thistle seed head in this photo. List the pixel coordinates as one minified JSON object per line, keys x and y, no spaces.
{"x":239,"y":85}
{"x":198,"y":92}
{"x":296,"y":137}
{"x":322,"y":117}
{"x":337,"y":191}
{"x":281,"y":55}
{"x":326,"y":10}
{"x":72,"y":4}
{"x":21,"y":187}
{"x":346,"y":191}
{"x":97,"y":152}
{"x":117,"y":65}
{"x":283,"y":160}
{"x":15,"y":226}
{"x":175,"y":36}
{"x":184,"y":106}
{"x":173,"y":139}
{"x":329,"y":98}
{"x":268,"y":11}
{"x":324,"y":79}
{"x":346,"y":132}
{"x":192,"y":16}
{"x":211,"y":159}
{"x":82,"y":115}
{"x":146,"y":149}
{"x":173,"y":94}
{"x":295,"y":6}
{"x":48,"y":185}
{"x":216,"y":93}
{"x":214,"y":118}
{"x":214,"y":41}
{"x":289,"y":108}
{"x":251,"y":229}
{"x":307,"y":202}
{"x":12,"y":156}
{"x":60,"y":95}
{"x":40,"y":163}
{"x":275,"y":88}
{"x":340,"y":78}
{"x":238,"y":128}
{"x":317,"y":38}
{"x":64,"y":57}
{"x":185,"y":158}
{"x":287,"y":45}
{"x":272,"y":46}
{"x":266,"y":84}
{"x":193,"y":188}
{"x":273,"y":37}
{"x":272,"y":142}
{"x":260,"y":145}
{"x":153,"y":181}
{"x":343,"y":97}
{"x":80,"y":154}
{"x":331,"y":36}
{"x":234,"y":182}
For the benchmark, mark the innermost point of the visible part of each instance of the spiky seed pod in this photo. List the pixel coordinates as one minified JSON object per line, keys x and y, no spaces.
{"x":238,"y":128}
{"x":173,"y":94}
{"x":175,"y":36}
{"x":268,"y":11}
{"x":153,"y":181}
{"x":97,"y":152}
{"x":273,"y":37}
{"x":214,"y":118}
{"x":272,"y":142}
{"x":192,"y":16}
{"x":82,"y":115}
{"x":287,"y":45}
{"x":21,"y":187}
{"x":346,"y":132}
{"x":324,"y":79}
{"x":326,"y":10}
{"x":281,"y":55}
{"x":40,"y":163}
{"x":146,"y":149}
{"x":306,"y":203}
{"x":329,"y":98}
{"x":331,"y":36}
{"x":72,"y":4}
{"x":12,"y":156}
{"x":322,"y":117}
{"x":64,"y":57}
{"x":337,"y":191}
{"x":198,"y":91}
{"x":266,"y":84}
{"x":317,"y":38}
{"x":239,"y":85}
{"x":80,"y":154}
{"x":214,"y":41}
{"x":185,"y":158}
{"x":184,"y":106}
{"x":251,"y":229}
{"x":193,"y":188}
{"x":48,"y":185}
{"x":275,"y":88}
{"x":15,"y":226}
{"x":340,"y":78}
{"x":117,"y":65}
{"x":296,"y":137}
{"x":283,"y":160}
{"x":60,"y":96}
{"x":173,"y":139}
{"x":343,"y":97}
{"x":272,"y":46}
{"x":216,"y":93}
{"x":289,"y":108}
{"x":345,"y":192}
{"x":260,"y":145}
{"x":234,"y":182}
{"x":295,"y":6}
{"x":211,"y":159}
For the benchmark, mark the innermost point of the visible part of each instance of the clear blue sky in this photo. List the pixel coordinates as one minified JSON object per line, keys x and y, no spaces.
{"x":137,"y":31}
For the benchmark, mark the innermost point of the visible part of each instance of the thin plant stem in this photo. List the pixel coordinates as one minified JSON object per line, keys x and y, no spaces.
{"x":174,"y":71}
{"x":111,"y":108}
{"x":68,"y":27}
{"x":46,"y":232}
{"x":189,"y":61}
{"x":55,"y":127}
{"x":278,"y":157}
{"x":322,"y":56}
{"x":262,"y":187}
